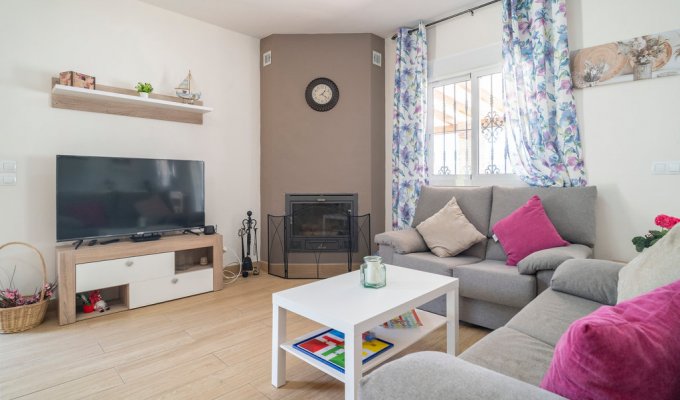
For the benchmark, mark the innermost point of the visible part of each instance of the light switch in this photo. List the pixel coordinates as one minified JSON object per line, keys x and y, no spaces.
{"x":10,"y":179}
{"x":9,"y":166}
{"x":659,"y":168}
{"x":674,"y":167}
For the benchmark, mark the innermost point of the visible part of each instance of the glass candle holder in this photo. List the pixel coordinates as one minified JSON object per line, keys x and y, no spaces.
{"x":373,"y":272}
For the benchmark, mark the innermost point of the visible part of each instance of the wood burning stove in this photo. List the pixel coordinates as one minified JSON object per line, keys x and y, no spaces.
{"x":321,"y":222}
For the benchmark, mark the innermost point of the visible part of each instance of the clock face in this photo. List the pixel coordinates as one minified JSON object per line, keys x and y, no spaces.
{"x":322,"y":94}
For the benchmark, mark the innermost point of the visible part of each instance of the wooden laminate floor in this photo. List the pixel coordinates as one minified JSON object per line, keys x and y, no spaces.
{"x":212,"y":346}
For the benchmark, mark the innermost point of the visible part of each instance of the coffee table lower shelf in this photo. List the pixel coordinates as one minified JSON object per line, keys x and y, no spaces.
{"x":400,"y":338}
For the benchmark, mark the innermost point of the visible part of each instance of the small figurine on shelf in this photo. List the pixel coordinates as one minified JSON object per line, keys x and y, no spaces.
{"x":98,"y":302}
{"x":368,"y":336}
{"x":87,"y":306}
{"x":185,"y":91}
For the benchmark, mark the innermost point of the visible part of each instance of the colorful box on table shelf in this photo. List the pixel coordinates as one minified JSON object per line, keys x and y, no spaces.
{"x":76,"y":79}
{"x":329,"y":348}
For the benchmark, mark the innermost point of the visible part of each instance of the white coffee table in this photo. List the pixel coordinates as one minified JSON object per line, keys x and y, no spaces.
{"x":343,"y":304}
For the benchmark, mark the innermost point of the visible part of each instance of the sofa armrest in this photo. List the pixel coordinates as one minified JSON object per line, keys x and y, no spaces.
{"x":594,"y":280}
{"x":552,"y":258}
{"x":433,"y":375}
{"x":404,"y":241}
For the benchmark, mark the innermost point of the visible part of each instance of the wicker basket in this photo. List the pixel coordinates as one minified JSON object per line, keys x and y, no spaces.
{"x":18,"y":319}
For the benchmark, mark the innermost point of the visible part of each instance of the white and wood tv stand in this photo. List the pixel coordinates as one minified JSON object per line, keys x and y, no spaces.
{"x":134,"y":275}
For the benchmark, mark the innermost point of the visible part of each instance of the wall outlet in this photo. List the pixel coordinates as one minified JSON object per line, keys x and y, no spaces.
{"x":377,"y":58}
{"x":267,"y":58}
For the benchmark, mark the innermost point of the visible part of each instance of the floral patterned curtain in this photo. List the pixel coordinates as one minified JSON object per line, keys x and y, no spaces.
{"x":543,"y":132}
{"x":409,"y":164}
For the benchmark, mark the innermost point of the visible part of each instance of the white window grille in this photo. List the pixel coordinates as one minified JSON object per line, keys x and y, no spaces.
{"x":468,"y":143}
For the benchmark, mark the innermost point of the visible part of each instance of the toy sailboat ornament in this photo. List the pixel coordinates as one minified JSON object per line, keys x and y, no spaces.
{"x":184,"y":90}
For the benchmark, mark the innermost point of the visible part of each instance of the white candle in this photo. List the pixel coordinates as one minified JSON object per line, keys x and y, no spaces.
{"x":373,"y":272}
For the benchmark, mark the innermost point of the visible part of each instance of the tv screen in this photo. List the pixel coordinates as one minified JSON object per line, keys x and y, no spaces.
{"x":105,"y":196}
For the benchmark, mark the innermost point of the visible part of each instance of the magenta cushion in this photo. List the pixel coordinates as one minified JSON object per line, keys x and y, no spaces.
{"x":628,"y":351}
{"x":527,"y":230}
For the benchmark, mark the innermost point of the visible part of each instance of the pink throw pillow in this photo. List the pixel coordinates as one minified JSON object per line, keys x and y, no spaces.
{"x":527,"y":230}
{"x":628,"y":351}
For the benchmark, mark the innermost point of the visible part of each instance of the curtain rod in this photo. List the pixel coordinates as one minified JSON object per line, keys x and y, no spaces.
{"x":470,"y":11}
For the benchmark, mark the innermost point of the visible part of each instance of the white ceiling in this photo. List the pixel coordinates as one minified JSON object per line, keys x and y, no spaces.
{"x":261,"y":18}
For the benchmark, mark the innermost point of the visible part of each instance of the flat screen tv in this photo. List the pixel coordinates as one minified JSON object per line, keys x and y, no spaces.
{"x":101,"y":197}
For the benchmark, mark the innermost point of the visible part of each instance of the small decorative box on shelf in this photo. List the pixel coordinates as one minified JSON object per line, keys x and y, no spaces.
{"x":118,"y":101}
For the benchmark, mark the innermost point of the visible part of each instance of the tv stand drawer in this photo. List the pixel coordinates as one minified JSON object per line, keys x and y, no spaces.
{"x":170,"y":287}
{"x":109,"y":273}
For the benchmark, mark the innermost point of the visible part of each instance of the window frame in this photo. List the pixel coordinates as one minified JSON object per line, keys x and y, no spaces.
{"x":474,"y":178}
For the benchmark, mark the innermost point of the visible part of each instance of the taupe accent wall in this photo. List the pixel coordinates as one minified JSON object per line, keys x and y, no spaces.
{"x":338,"y":151}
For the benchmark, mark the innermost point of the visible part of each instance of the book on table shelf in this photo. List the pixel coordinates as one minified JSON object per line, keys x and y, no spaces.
{"x":407,"y":320}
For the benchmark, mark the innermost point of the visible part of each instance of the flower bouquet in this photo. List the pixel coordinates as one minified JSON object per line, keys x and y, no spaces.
{"x":10,"y":297}
{"x":665,"y":222}
{"x":643,"y":50}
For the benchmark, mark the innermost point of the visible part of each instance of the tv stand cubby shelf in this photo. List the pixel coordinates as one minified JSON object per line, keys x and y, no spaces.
{"x":132,"y":275}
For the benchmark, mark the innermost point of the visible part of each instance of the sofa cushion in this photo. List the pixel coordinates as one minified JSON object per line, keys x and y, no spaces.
{"x":656,"y":266}
{"x":448,"y":232}
{"x":552,"y":258}
{"x":511,"y":353}
{"x":550,"y":314}
{"x":628,"y":351}
{"x":543,"y":279}
{"x":526,"y":230}
{"x":475,"y":202}
{"x":484,"y":313}
{"x":494,"y":251}
{"x":591,"y":279}
{"x":571,"y":210}
{"x":435,"y":375}
{"x":428,"y":262}
{"x":495,"y":282}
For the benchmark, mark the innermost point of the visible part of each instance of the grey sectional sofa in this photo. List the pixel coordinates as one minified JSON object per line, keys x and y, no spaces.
{"x":510,"y":362}
{"x":491,"y":292}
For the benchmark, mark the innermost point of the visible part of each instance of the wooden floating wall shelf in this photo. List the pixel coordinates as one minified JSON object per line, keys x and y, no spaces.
{"x":118,"y":101}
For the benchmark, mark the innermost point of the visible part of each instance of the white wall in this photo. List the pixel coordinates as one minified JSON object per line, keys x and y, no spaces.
{"x":624,"y":126}
{"x":122,"y":42}
{"x":627,"y":126}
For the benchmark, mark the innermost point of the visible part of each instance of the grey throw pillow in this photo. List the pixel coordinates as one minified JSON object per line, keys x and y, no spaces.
{"x":448,"y":232}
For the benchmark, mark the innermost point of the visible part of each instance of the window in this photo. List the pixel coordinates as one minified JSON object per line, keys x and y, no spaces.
{"x":468,"y":141}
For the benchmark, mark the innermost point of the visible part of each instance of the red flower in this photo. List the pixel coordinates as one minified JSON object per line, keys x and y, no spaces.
{"x":666,"y":221}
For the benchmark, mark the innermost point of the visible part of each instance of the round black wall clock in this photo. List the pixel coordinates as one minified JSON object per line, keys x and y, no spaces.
{"x":322,"y":94}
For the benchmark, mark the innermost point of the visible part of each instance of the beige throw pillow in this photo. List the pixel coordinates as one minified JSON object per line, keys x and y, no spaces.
{"x":448,"y":232}
{"x":657,"y":266}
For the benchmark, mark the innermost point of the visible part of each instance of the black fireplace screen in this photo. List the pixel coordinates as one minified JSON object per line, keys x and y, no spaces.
{"x":341,"y":247}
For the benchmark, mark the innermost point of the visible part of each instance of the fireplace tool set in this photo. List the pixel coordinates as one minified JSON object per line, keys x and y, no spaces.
{"x":248,"y":235}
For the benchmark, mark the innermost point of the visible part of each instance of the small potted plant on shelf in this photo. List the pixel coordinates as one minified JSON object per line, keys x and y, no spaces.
{"x":144,"y":89}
